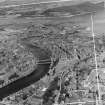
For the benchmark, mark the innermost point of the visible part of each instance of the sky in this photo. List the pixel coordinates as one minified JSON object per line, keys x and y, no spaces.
{"x":51,"y":0}
{"x":2,"y":0}
{"x":37,"y":0}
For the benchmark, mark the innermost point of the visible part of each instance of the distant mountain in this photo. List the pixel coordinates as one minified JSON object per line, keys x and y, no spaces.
{"x":75,"y":9}
{"x":20,"y":2}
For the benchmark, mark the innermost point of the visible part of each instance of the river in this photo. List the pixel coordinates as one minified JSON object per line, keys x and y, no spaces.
{"x":40,"y":71}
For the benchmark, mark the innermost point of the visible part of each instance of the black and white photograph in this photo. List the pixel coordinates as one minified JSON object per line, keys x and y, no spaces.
{"x":52,"y":52}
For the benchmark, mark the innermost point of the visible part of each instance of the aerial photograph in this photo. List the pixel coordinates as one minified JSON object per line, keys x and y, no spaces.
{"x":52,"y":52}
